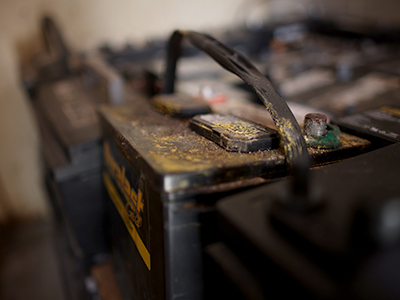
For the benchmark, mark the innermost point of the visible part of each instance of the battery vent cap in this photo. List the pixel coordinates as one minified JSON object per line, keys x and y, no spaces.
{"x":179,"y":105}
{"x":235,"y":134}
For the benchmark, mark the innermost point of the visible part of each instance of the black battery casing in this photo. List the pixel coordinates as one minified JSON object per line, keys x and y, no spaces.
{"x":72,"y":156}
{"x":162,"y":181}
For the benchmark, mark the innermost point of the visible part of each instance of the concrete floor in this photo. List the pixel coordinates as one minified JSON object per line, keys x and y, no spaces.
{"x":29,"y":266}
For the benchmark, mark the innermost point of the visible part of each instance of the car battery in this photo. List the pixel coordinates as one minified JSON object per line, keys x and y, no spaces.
{"x":372,"y":90}
{"x":340,"y":249}
{"x":323,"y":64}
{"x":390,"y":66}
{"x":379,"y":124}
{"x":71,"y":113}
{"x":163,"y":177}
{"x":72,"y":152}
{"x":71,"y":146}
{"x":335,"y":243}
{"x":67,"y":90}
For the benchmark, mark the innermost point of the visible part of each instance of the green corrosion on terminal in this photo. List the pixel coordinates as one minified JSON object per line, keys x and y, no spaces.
{"x":330,"y":140}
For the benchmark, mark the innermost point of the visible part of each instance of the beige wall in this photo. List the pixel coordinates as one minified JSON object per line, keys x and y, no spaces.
{"x":21,"y":193}
{"x":86,"y":23}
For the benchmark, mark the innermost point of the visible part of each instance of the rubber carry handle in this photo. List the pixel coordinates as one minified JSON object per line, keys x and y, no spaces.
{"x":54,"y":41}
{"x":294,"y":144}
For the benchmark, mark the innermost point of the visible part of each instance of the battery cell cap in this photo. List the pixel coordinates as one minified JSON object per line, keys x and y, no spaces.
{"x":179,"y":105}
{"x":235,"y":134}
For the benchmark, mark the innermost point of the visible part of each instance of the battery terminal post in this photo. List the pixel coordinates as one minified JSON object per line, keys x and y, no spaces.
{"x":318,"y":133}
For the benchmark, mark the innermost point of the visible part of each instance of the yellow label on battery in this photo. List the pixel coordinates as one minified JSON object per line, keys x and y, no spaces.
{"x":119,"y":204}
{"x":134,"y":199}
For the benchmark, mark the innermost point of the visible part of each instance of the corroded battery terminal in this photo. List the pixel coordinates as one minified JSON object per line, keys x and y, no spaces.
{"x":318,"y":133}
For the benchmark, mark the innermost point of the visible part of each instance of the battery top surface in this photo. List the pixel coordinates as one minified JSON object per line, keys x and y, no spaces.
{"x":176,"y":157}
{"x":70,"y":111}
{"x":382,"y":122}
{"x":235,"y":134}
{"x":56,"y":160}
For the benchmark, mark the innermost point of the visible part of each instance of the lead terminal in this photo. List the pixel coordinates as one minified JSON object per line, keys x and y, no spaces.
{"x":318,"y":133}
{"x":315,"y":124}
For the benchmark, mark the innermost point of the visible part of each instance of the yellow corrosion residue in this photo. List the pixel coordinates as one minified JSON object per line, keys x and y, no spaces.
{"x":169,"y":146}
{"x":290,"y":144}
{"x":285,"y":128}
{"x":173,"y":153}
{"x":170,"y":109}
{"x":243,"y":129}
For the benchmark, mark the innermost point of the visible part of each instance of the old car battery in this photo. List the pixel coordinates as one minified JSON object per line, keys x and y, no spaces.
{"x":343,"y":245}
{"x":65,"y":107}
{"x":163,"y":179}
{"x":71,"y":113}
{"x":380,"y":124}
{"x":351,"y":250}
{"x":342,"y":248}
{"x":72,"y":152}
{"x":373,"y":90}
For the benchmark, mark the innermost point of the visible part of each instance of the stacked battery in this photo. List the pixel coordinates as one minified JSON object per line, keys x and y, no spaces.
{"x":164,"y":173}
{"x":154,"y":180}
{"x":72,"y":153}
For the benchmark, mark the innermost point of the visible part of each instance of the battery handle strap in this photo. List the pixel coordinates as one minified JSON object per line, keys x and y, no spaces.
{"x":55,"y":43}
{"x":294,"y":144}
